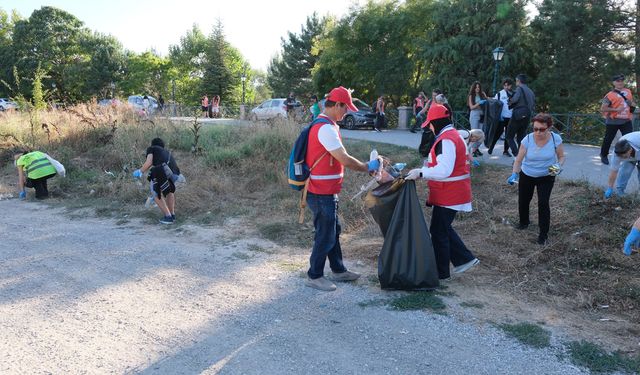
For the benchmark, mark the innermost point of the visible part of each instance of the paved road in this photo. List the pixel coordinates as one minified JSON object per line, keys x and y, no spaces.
{"x":582,"y":162}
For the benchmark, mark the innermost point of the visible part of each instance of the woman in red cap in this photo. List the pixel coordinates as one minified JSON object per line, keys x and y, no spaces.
{"x":448,"y":173}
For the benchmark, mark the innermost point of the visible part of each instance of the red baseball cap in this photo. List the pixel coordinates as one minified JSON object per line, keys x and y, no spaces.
{"x":342,"y":95}
{"x":436,"y":111}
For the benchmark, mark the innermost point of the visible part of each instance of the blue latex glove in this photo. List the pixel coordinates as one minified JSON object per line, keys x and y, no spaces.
{"x":137,"y":173}
{"x":373,"y":165}
{"x":482,"y":101}
{"x":608,"y":193}
{"x":476,"y":163}
{"x":633,"y":239}
{"x":22,"y":195}
{"x":513,"y":178}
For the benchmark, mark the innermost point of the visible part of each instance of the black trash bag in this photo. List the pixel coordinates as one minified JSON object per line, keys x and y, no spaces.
{"x":406,"y":260}
{"x":492,"y":111}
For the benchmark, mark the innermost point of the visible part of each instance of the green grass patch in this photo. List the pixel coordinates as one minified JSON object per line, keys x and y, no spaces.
{"x":291,"y":266}
{"x":596,"y":359}
{"x":528,"y":334}
{"x":260,"y":249}
{"x":419,"y":301}
{"x":474,"y":305}
{"x":372,"y":303}
{"x":241,"y":255}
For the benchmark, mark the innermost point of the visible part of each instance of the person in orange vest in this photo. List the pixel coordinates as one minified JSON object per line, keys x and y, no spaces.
{"x":418,"y":104}
{"x":326,"y":151}
{"x":617,"y":108}
{"x":447,"y":172}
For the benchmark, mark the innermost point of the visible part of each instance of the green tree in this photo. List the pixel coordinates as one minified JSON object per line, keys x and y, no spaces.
{"x":577,"y":50}
{"x":457,"y":48}
{"x":219,"y":66}
{"x":145,"y":73}
{"x":291,"y":70}
{"x":188,"y":60}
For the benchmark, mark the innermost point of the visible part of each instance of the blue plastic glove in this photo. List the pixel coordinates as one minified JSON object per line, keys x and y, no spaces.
{"x":476,"y":163}
{"x":482,"y":101}
{"x":373,"y":165}
{"x":137,"y":173}
{"x":633,"y":239}
{"x":608,"y":193}
{"x":22,"y":195}
{"x":513,"y":178}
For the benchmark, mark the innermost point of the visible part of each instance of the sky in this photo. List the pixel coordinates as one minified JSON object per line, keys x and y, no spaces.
{"x":253,"y":27}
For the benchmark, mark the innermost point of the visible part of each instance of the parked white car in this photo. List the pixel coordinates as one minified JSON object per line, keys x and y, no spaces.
{"x":137,"y":102}
{"x":273,"y":108}
{"x":7,"y":104}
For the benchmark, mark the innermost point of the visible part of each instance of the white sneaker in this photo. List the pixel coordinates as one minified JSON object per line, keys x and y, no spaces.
{"x":466,"y":266}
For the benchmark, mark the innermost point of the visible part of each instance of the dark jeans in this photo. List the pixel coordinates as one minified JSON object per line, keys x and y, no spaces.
{"x":326,"y":242}
{"x":379,"y":121}
{"x":40,"y":185}
{"x":516,"y":129}
{"x":610,"y":134}
{"x":502,"y":127}
{"x":447,"y":245}
{"x":525,"y":193}
{"x":418,"y":119}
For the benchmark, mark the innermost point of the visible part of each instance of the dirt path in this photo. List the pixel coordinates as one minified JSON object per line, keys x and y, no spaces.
{"x":86,"y":295}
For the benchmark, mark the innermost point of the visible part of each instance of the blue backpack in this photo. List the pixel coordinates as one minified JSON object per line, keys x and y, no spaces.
{"x":297,"y":170}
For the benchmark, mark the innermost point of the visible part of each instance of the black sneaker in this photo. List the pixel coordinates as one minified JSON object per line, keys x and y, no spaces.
{"x":479,"y":153}
{"x":521,"y":226}
{"x":507,"y":153}
{"x":412,"y":130}
{"x":604,"y":159}
{"x":173,"y":216}
{"x":166,"y":220}
{"x":542,"y":240}
{"x":490,"y":151}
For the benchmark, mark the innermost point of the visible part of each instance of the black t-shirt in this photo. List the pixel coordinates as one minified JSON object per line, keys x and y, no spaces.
{"x":160,"y":155}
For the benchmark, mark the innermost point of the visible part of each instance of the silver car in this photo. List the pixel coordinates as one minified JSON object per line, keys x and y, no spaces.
{"x":6,"y":104}
{"x":274,"y":108}
{"x":137,"y":101}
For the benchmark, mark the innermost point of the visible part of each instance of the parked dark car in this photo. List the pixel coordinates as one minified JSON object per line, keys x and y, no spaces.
{"x":365,"y":117}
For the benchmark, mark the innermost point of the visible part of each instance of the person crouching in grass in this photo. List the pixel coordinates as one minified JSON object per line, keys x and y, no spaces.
{"x":34,"y":169}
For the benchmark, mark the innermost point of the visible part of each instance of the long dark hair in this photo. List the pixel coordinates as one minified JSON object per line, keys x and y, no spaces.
{"x":472,"y":92}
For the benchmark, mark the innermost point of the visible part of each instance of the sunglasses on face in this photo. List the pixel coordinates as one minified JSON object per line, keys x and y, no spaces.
{"x":541,"y":130}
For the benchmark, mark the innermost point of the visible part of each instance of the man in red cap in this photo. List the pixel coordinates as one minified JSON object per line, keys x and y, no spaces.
{"x":449,"y":180}
{"x":326,"y":151}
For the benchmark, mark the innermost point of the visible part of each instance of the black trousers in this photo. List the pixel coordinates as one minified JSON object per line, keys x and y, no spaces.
{"x":447,"y":245}
{"x":40,"y":186}
{"x":502,"y":128}
{"x":516,"y":130}
{"x":544,"y":186}
{"x":610,"y":134}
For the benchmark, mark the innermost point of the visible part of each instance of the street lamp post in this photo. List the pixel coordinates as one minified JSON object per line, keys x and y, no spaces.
{"x":244,"y":81}
{"x":498,"y":54}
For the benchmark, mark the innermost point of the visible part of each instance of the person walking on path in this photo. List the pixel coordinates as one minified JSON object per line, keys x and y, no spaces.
{"x":537,"y":164}
{"x":617,"y":108}
{"x":163,"y":173}
{"x":314,"y":108}
{"x":34,"y":169}
{"x":326,"y":151}
{"x":205,"y":106}
{"x":522,"y":104}
{"x":215,"y":106}
{"x":448,"y":173}
{"x":475,"y":100}
{"x":418,"y":105}
{"x":625,"y":160}
{"x":160,"y":103}
{"x":504,"y":95}
{"x":379,"y":114}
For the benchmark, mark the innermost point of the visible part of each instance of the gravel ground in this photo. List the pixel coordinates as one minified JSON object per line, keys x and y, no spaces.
{"x":86,"y":295}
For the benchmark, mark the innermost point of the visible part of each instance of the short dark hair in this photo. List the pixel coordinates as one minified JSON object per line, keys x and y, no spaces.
{"x":157,"y":142}
{"x":507,"y":81}
{"x":314,"y":97}
{"x":622,"y":147}
{"x":543,"y":118}
{"x":522,"y":78}
{"x":437,"y":91}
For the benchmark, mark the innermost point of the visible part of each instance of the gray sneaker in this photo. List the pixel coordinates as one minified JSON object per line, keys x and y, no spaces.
{"x":466,"y":266}
{"x":345,"y":276}
{"x":321,"y":284}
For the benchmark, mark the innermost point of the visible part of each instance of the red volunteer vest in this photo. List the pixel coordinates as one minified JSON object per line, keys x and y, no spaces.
{"x":326,"y":177}
{"x":455,"y":189}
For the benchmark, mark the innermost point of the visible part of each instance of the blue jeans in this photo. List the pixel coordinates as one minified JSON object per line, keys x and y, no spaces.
{"x":326,"y":242}
{"x":447,"y":245}
{"x":624,"y":174}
